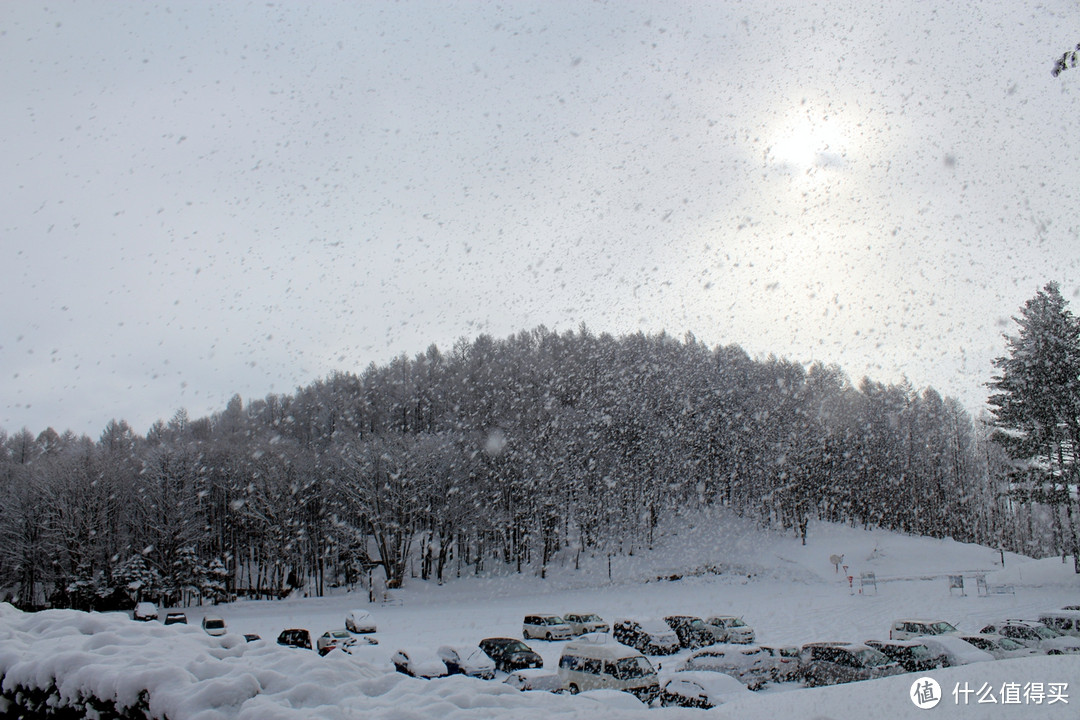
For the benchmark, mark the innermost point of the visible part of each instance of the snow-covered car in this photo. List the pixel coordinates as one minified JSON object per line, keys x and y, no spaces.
{"x":908,"y":628}
{"x":581,"y":623}
{"x":700,"y":689}
{"x":295,"y":638}
{"x":420,"y":662}
{"x":252,"y":637}
{"x":1036,"y":635}
{"x":749,"y":664}
{"x":510,"y":654}
{"x":912,"y":655}
{"x":691,"y":630}
{"x":145,"y":611}
{"x":596,"y":661}
{"x":467,"y":660}
{"x":729,"y":628}
{"x":785,"y":661}
{"x":1002,"y":648}
{"x":534,"y":679}
{"x":952,"y":651}
{"x":650,"y":637}
{"x":175,"y":618}
{"x":545,"y":627}
{"x":831,"y":663}
{"x":335,"y":640}
{"x":359,"y":621}
{"x":1066,"y":622}
{"x":214,"y":625}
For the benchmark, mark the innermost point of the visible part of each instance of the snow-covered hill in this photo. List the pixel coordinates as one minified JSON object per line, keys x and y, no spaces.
{"x":790,"y":593}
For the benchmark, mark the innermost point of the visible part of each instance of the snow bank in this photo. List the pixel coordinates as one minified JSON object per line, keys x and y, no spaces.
{"x":891,"y":697}
{"x":179,"y":672}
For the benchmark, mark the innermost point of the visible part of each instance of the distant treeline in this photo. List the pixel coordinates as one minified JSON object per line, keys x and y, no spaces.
{"x":502,"y":451}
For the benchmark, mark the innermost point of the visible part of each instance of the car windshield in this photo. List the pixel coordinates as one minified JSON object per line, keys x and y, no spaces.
{"x":872,"y":658}
{"x":552,"y":621}
{"x":1046,"y":633}
{"x":473,"y":657}
{"x":633,"y":667}
{"x":736,"y":623}
{"x":940,"y":628}
{"x":590,"y":618}
{"x":515,"y":646}
{"x":918,"y":652}
{"x":214,"y":624}
{"x":697,"y":624}
{"x":1009,"y":644}
{"x":686,"y":687}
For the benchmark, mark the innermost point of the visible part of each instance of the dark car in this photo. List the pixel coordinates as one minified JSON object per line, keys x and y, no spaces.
{"x":691,"y":631}
{"x":912,"y":655}
{"x":214,"y":625}
{"x":510,"y":654}
{"x":175,"y":618}
{"x":833,"y":663}
{"x":648,"y":637}
{"x":295,"y":637}
{"x":145,"y":611}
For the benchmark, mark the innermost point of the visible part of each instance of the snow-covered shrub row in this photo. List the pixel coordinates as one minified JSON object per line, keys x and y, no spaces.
{"x":68,"y":663}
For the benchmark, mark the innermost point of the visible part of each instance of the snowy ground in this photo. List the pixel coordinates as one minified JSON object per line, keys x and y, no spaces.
{"x":788,"y":592}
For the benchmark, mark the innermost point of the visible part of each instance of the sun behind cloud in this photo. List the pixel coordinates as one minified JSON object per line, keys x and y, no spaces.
{"x":802,"y":140}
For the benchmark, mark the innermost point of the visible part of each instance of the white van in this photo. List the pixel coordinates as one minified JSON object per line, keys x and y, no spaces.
{"x":1064,"y":621}
{"x":596,"y":662}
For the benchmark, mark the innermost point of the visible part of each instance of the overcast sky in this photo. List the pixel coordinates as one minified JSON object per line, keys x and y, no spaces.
{"x":202,"y":199}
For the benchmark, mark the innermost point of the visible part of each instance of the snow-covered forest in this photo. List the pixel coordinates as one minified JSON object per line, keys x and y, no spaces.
{"x":499,"y":454}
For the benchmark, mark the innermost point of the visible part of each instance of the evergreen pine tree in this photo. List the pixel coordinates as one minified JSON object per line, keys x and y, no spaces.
{"x":1035,"y":401}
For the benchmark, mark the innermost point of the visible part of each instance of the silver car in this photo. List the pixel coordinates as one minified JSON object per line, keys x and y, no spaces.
{"x":729,"y":628}
{"x":749,"y":664}
{"x":834,"y":663}
{"x":1002,"y":648}
{"x":1035,"y":635}
{"x":582,"y":623}
{"x":545,"y":627}
{"x":335,"y":639}
{"x":467,"y":660}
